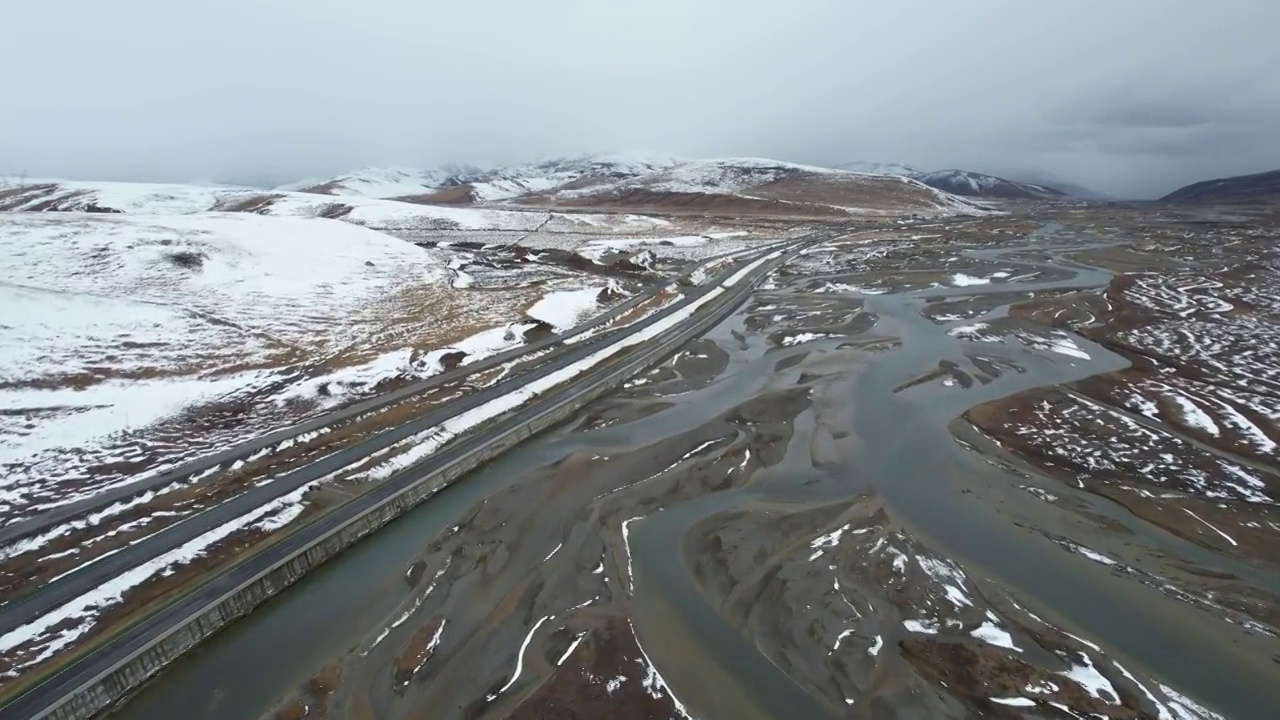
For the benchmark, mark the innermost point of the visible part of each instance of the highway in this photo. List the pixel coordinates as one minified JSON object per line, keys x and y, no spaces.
{"x":51,"y":595}
{"x":207,"y":468}
{"x":85,"y":670}
{"x":225,"y":458}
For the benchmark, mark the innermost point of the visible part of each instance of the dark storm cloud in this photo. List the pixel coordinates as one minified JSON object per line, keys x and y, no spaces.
{"x":1134,"y":97}
{"x":1162,"y":113}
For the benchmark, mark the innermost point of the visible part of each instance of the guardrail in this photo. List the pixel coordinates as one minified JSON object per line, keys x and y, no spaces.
{"x":110,"y":672}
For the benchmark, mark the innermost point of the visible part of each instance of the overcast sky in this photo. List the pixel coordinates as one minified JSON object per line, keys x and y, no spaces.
{"x":1131,"y":97}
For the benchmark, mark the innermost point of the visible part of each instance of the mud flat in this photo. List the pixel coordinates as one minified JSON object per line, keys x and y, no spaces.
{"x":848,"y":500}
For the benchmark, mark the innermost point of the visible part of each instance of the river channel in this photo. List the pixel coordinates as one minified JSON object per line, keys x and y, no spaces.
{"x":834,"y":385}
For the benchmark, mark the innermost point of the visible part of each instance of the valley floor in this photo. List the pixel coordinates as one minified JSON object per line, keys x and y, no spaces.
{"x":1013,"y":466}
{"x":142,"y":343}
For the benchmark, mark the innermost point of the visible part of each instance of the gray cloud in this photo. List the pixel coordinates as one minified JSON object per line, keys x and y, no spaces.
{"x":1134,"y":98}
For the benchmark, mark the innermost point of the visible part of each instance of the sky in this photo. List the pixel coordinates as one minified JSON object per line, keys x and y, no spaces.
{"x":1129,"y":97}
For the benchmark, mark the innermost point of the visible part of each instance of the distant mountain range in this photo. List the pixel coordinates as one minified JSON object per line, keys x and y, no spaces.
{"x":876,"y":168}
{"x":658,"y":182}
{"x":974,"y":184}
{"x":654,"y":183}
{"x":1072,"y":189}
{"x":1259,"y":187}
{"x":626,"y":182}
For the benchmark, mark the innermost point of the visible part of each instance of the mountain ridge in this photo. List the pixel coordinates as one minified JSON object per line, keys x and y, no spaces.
{"x":655,"y":182}
{"x":1263,"y":186}
{"x":973,"y":184}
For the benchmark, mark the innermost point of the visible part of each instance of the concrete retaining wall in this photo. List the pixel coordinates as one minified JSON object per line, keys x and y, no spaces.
{"x":132,"y":672}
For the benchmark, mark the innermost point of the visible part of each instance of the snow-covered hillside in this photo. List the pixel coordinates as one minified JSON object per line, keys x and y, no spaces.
{"x":115,"y":321}
{"x":972,"y":184}
{"x":513,"y":182}
{"x":166,"y":199}
{"x":376,"y":182}
{"x":767,"y":186}
{"x":726,"y":176}
{"x":138,"y":340}
{"x":621,"y":180}
{"x":455,"y":184}
{"x":875,"y":168}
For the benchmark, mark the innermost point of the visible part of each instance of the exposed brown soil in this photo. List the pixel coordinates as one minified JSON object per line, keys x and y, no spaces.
{"x":889,"y":196}
{"x":417,"y":652}
{"x":1111,"y":319}
{"x":649,"y":201}
{"x":15,"y":197}
{"x":455,"y":195}
{"x":326,"y":681}
{"x":975,"y":673}
{"x":334,"y":211}
{"x":258,"y":204}
{"x":580,"y":689}
{"x":327,"y":188}
{"x":311,"y":701}
{"x":63,"y":203}
{"x":293,"y":710}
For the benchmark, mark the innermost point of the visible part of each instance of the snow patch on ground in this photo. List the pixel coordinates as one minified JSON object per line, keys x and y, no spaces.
{"x":1194,"y":415}
{"x":1093,"y":682}
{"x":950,"y":576}
{"x":804,"y":338}
{"x":1187,"y":709}
{"x":565,"y":309}
{"x":963,"y":280}
{"x":969,"y":332}
{"x":1064,"y":345}
{"x":924,"y":625}
{"x":824,"y":542}
{"x":1014,"y":701}
{"x":80,"y":417}
{"x":993,"y":634}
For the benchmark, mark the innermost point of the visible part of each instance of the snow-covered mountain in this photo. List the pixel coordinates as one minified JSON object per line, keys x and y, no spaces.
{"x":975,"y":184}
{"x":762,"y":186}
{"x":972,"y":184}
{"x":164,"y":199}
{"x":508,"y":183}
{"x":662,"y":183}
{"x":876,"y":168}
{"x":465,"y":185}
{"x":375,"y":182}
